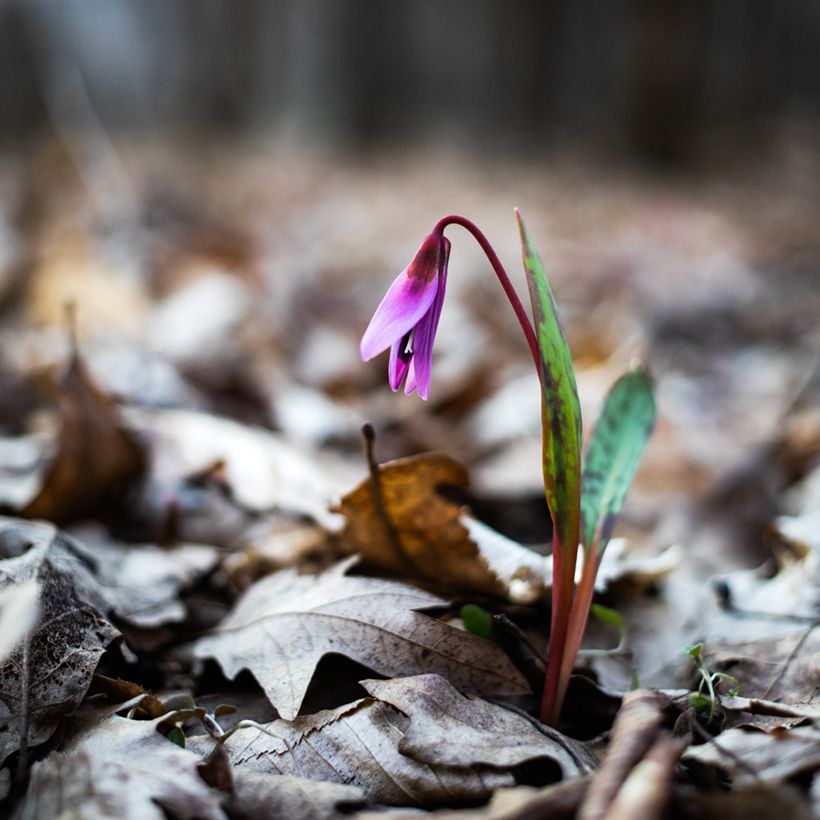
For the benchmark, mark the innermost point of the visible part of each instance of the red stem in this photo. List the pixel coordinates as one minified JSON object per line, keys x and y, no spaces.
{"x":501,"y":275}
{"x":578,"y":618}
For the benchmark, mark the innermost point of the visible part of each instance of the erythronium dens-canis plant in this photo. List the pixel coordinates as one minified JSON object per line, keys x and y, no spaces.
{"x":583,"y":504}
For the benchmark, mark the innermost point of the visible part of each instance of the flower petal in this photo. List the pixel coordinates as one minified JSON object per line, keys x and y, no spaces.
{"x":407,"y":300}
{"x":397,"y":367}
{"x":422,"y":364}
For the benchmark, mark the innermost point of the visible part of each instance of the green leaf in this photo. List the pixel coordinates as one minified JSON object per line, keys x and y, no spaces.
{"x":477,"y":620}
{"x":608,"y":616}
{"x":560,"y":410}
{"x":176,"y":735}
{"x":615,"y":449}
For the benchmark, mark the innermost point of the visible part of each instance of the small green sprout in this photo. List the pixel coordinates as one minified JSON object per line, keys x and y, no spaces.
{"x":705,"y":699}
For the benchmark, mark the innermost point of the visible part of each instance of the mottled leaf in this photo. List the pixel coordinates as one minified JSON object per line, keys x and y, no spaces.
{"x":614,"y":451}
{"x":561,"y":411}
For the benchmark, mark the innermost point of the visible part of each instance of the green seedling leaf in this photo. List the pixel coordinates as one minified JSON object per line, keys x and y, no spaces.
{"x":608,"y":616}
{"x":176,"y":735}
{"x":560,"y":410}
{"x":615,"y":449}
{"x":477,"y":620}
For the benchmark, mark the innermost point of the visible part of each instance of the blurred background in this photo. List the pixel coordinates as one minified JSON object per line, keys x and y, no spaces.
{"x":224,"y":189}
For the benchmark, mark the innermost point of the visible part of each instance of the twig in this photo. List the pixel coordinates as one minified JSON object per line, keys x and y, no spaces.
{"x":369,"y":435}
{"x":635,"y":730}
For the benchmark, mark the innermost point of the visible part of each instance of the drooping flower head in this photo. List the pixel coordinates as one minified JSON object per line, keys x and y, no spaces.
{"x":407,"y":318}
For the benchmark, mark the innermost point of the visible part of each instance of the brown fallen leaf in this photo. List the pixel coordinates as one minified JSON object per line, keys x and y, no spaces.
{"x":285,"y":623}
{"x":116,"y":767}
{"x":397,"y":521}
{"x":97,"y":458}
{"x":448,"y":729}
{"x":47,"y":675}
{"x":409,"y":529}
{"x":358,"y":743}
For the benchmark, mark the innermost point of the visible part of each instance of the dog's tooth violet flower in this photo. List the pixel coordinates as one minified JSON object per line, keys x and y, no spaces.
{"x":407,"y":318}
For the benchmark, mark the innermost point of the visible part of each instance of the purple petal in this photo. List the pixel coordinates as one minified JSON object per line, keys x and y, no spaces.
{"x":407,"y":300}
{"x":397,"y":367}
{"x":422,"y":364}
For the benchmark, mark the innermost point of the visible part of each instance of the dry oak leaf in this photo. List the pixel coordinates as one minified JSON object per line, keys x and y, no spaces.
{"x":408,"y":528}
{"x":61,"y":653}
{"x":97,"y":458}
{"x":358,"y":743}
{"x":449,"y":729}
{"x":116,"y":767}
{"x":285,"y":623}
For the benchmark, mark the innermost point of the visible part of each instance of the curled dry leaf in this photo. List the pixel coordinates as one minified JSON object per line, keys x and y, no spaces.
{"x":409,"y":529}
{"x":448,"y":729}
{"x":48,"y":675}
{"x":97,"y":458}
{"x":116,"y":767}
{"x":359,"y":744}
{"x":285,"y":623}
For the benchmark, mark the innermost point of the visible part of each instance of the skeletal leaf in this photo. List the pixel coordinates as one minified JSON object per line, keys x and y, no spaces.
{"x":285,"y":623}
{"x":614,"y":452}
{"x":19,"y":610}
{"x":55,"y":664}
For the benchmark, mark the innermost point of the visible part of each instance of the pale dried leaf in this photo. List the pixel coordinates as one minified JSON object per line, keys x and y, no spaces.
{"x":359,"y":744}
{"x":264,"y":472}
{"x":265,"y":796}
{"x":116,"y":767}
{"x":141,"y":582}
{"x":449,"y":729}
{"x":285,"y":623}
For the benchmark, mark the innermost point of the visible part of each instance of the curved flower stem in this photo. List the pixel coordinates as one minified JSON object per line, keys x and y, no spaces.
{"x":501,"y":275}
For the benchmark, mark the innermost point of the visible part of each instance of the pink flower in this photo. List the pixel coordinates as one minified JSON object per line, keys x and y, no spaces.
{"x":407,"y":318}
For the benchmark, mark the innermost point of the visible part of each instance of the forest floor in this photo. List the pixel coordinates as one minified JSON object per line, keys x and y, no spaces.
{"x":185,"y":628}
